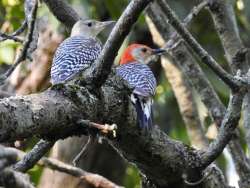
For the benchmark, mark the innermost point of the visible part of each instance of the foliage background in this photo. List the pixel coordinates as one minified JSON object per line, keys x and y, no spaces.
{"x":166,"y":112}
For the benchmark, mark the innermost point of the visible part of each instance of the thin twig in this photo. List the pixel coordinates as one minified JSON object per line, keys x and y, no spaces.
{"x":193,"y":72}
{"x":175,"y":38}
{"x":31,"y":158}
{"x":177,"y":48}
{"x":181,"y":87}
{"x":190,"y":40}
{"x":4,"y":36}
{"x":20,"y":29}
{"x":93,"y":179}
{"x":103,"y":129}
{"x":26,"y":44}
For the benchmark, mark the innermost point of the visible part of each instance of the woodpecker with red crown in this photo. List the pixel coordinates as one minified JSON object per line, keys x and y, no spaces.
{"x":134,"y":69}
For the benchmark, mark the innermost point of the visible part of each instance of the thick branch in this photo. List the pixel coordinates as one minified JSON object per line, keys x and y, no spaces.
{"x":35,"y":108}
{"x":54,"y":114}
{"x":63,"y":12}
{"x":102,"y":67}
{"x":223,"y":15}
{"x":100,"y":70}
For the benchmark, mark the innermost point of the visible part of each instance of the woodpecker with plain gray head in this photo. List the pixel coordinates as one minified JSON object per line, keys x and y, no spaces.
{"x":134,"y":69}
{"x":78,"y":52}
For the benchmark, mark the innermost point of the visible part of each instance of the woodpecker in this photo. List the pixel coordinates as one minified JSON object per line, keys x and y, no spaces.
{"x":134,"y":69}
{"x":78,"y":52}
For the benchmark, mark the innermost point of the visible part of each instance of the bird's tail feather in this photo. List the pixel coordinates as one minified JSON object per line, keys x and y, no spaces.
{"x":144,"y":111}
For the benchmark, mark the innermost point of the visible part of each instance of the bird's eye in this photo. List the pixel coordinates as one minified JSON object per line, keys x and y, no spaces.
{"x":144,"y":50}
{"x":89,"y":24}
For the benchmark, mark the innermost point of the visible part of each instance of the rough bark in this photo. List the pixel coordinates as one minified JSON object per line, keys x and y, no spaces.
{"x":111,"y":103}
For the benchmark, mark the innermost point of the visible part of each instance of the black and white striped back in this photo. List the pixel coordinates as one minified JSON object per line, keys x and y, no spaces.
{"x":74,"y":55}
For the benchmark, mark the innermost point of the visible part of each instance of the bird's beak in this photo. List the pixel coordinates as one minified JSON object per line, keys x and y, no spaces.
{"x":107,"y":23}
{"x":158,"y":51}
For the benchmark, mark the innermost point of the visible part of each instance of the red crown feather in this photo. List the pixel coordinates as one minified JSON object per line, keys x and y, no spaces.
{"x":127,"y":54}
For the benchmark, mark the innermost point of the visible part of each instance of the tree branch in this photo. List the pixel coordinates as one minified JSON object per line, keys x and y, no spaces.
{"x":31,"y":158}
{"x":93,"y":179}
{"x":100,"y":70}
{"x":4,"y":36}
{"x":225,"y":23}
{"x":190,"y":40}
{"x":175,"y":38}
{"x":183,"y":93}
{"x":226,"y":130}
{"x":54,"y":113}
{"x":186,"y":62}
{"x":54,"y":164}
{"x":22,"y":117}
{"x":31,"y":18}
{"x":241,"y":162}
{"x":8,"y":177}
{"x":224,"y":19}
{"x":63,"y":12}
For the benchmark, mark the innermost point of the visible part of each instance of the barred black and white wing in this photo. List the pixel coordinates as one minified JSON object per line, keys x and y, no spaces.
{"x":140,"y":77}
{"x":73,"y":56}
